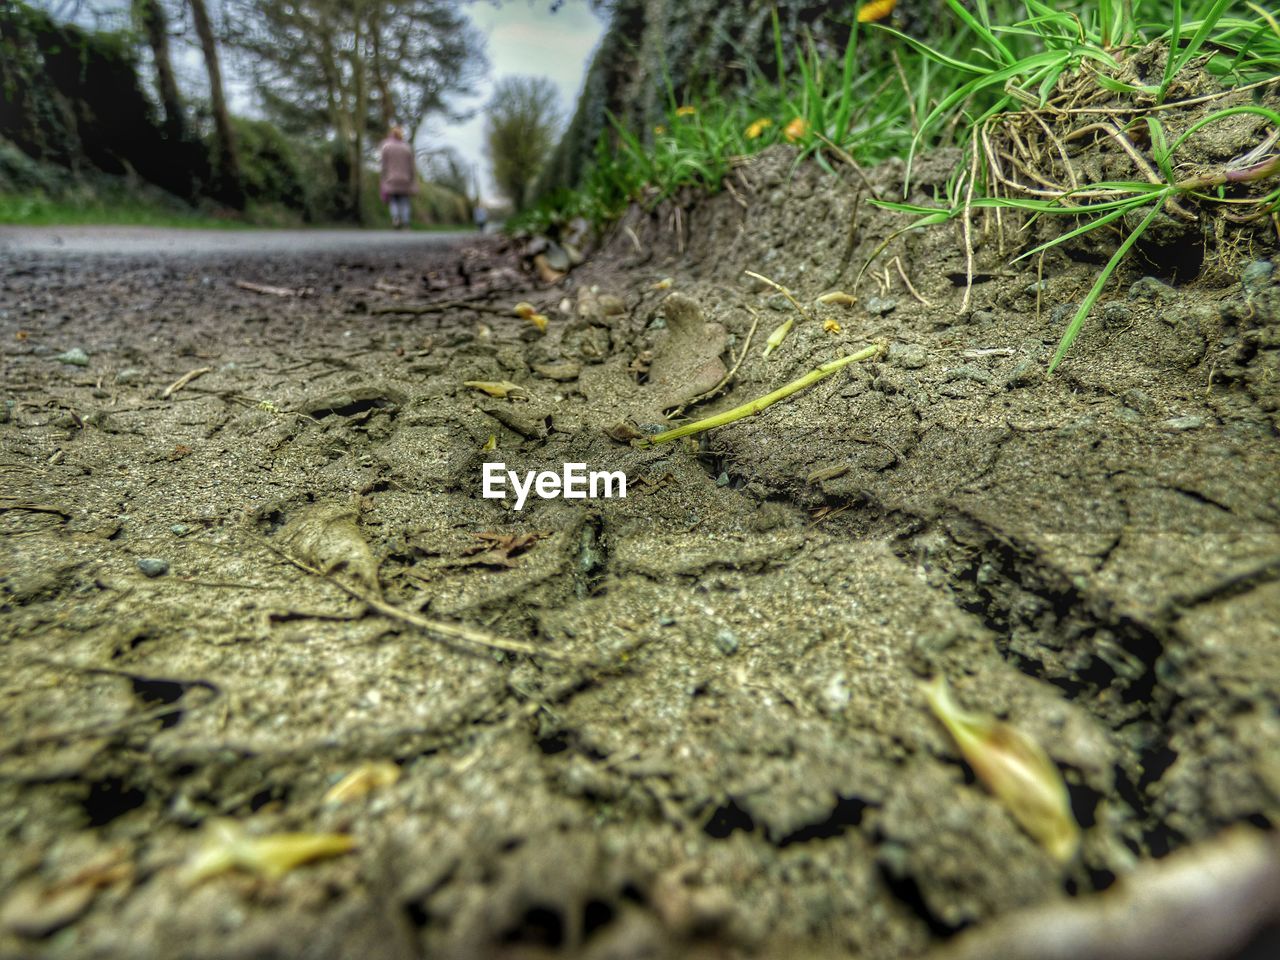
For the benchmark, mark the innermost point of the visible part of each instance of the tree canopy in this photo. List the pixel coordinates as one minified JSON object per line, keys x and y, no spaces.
{"x":522,"y":120}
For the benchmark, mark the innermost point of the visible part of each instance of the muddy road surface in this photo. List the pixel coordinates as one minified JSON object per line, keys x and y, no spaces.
{"x":251,"y":586}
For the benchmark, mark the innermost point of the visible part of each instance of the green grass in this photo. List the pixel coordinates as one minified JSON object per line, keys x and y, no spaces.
{"x":984,"y":73}
{"x":37,"y":210}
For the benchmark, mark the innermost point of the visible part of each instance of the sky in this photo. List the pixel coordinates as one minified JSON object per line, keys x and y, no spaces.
{"x":523,"y":37}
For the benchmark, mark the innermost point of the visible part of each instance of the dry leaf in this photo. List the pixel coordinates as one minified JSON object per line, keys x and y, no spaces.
{"x":325,"y":536}
{"x":837,"y":298}
{"x":497,"y":388}
{"x":501,"y":549}
{"x":227,"y":847}
{"x":1013,"y":767}
{"x":362,"y":780}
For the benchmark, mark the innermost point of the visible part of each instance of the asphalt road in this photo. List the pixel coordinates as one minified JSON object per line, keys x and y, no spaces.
{"x":175,"y":243}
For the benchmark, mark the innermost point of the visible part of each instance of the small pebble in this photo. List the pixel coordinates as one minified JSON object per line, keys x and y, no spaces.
{"x":881,"y":305}
{"x":722,"y":480}
{"x":967,"y":372}
{"x":1150,"y":288}
{"x":912,"y":356}
{"x":727,"y":642}
{"x":1040,"y":286}
{"x":1024,"y":373}
{"x":778,"y":302}
{"x":129,"y":375}
{"x":1116,"y":314}
{"x":1183,"y":423}
{"x":1139,"y":400}
{"x":180,"y":529}
{"x":153,"y":566}
{"x":1257,"y":275}
{"x":983,"y":316}
{"x":666,"y":620}
{"x":1063,"y":312}
{"x":75,"y":357}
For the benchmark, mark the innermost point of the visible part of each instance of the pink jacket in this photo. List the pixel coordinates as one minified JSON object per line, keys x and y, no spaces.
{"x":397,"y":168}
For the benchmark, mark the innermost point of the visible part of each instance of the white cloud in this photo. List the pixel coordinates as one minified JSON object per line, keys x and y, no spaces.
{"x":523,"y":37}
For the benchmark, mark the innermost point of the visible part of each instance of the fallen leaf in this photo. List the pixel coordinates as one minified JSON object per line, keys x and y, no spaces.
{"x":1013,"y":767}
{"x":362,"y":780}
{"x":325,"y":536}
{"x":497,"y":388}
{"x":501,"y":549}
{"x":228,"y":847}
{"x":837,"y":297}
{"x":180,"y":451}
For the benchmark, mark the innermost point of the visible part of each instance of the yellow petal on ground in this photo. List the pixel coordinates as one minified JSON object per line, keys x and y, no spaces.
{"x":227,"y":847}
{"x":538,"y":320}
{"x":779,"y":334}
{"x":758,"y":127}
{"x":797,"y":129}
{"x":378,"y":773}
{"x":837,"y":298}
{"x":525,"y":310}
{"x":1013,"y":767}
{"x":663,"y":284}
{"x":830,"y":326}
{"x":495,"y":388}
{"x":491,"y":444}
{"x":875,"y":10}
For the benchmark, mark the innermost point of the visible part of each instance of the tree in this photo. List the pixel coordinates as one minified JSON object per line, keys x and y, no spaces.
{"x":345,"y":69}
{"x":226,"y":160}
{"x":150,"y":16}
{"x":520,"y":130}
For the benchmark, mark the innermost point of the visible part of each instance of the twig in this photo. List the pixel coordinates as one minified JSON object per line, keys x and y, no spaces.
{"x":441,"y":628}
{"x":907,"y":280}
{"x":782,"y":290}
{"x":755,"y":320}
{"x":182,"y":381}
{"x":274,"y":291}
{"x":768,"y":400}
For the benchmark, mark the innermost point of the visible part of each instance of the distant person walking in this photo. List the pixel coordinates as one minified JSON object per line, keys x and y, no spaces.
{"x":482,"y":217}
{"x":399,"y":178}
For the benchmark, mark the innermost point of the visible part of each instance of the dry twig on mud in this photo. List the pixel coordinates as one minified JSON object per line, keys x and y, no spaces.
{"x":274,"y":291}
{"x":182,"y":381}
{"x":441,"y":629}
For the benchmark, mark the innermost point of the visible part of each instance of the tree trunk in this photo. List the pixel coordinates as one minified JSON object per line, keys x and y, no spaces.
{"x":152,"y":19}
{"x":230,"y":188}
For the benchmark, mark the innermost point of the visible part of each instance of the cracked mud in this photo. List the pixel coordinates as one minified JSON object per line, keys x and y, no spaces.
{"x":725,"y":750}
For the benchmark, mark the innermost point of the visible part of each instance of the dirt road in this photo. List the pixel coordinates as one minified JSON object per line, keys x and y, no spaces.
{"x":684,"y":723}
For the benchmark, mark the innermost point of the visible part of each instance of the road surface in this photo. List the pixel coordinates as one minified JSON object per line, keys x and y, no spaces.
{"x":188,"y":242}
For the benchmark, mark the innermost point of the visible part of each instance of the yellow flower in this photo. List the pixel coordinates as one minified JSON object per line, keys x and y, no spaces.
{"x":757,"y":127}
{"x":797,"y":129}
{"x":875,"y":10}
{"x":686,"y":111}
{"x":659,"y":129}
{"x":830,"y":326}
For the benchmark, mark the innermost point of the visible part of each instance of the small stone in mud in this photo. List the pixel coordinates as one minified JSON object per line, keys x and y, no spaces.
{"x":1024,"y":373}
{"x":611,"y":305}
{"x":881,"y":305}
{"x":561,"y":371}
{"x":1138,"y":400}
{"x":1116,"y":315}
{"x":727,"y":642}
{"x":129,"y":375}
{"x":1063,"y":312}
{"x":1040,"y":286}
{"x":967,"y":372}
{"x":1257,"y":275}
{"x":722,"y":480}
{"x":912,"y":356}
{"x":778,"y":302}
{"x":180,"y":529}
{"x":1150,"y":288}
{"x":836,"y":694}
{"x":74,"y":357}
{"x":153,"y":566}
{"x":666,"y":620}
{"x":1183,"y":423}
